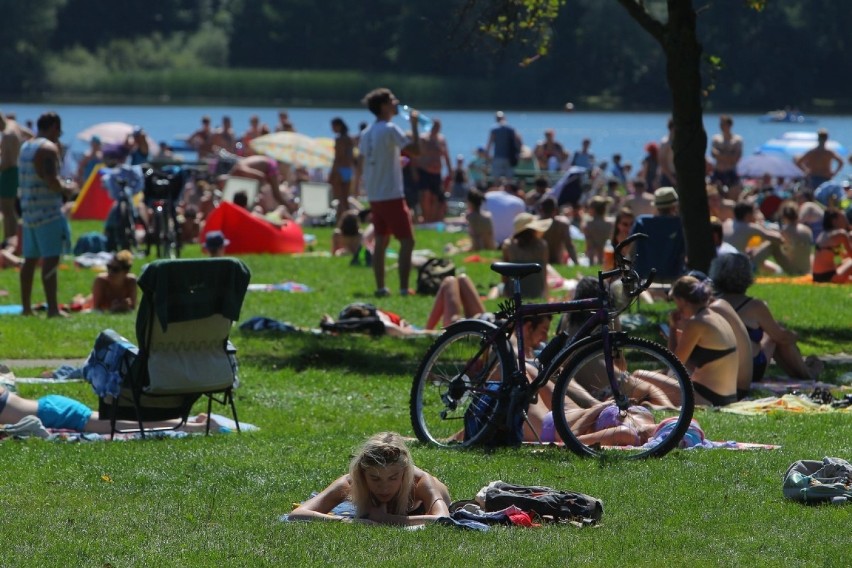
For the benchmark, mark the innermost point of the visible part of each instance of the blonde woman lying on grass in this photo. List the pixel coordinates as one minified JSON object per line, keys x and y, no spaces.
{"x":384,"y":485}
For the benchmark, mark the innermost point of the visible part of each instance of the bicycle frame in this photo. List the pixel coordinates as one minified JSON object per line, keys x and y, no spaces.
{"x":602,"y":313}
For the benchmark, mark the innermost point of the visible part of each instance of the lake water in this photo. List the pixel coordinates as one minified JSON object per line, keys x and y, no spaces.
{"x":610,"y":132}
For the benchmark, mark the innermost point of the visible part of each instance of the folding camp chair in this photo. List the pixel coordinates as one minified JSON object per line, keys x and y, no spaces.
{"x":315,"y":202}
{"x":182,"y":329}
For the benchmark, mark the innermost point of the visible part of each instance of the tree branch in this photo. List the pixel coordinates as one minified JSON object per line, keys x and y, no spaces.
{"x":636,"y":9}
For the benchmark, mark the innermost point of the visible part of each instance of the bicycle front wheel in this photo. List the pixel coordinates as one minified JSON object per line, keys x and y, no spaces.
{"x":454,"y":397}
{"x":646,"y":415}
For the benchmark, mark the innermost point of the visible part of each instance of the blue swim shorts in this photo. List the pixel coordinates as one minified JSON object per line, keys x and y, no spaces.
{"x":57,"y":411}
{"x":48,"y":240}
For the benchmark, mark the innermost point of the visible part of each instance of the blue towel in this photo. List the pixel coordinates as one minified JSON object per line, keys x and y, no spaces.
{"x":261,"y":323}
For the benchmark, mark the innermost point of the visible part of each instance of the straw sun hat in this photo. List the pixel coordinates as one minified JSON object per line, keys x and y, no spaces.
{"x":665,"y":196}
{"x":524,"y":221}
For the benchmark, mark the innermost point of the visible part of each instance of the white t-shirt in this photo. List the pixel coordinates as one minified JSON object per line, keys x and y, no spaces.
{"x":503,"y":208}
{"x":380,"y":145}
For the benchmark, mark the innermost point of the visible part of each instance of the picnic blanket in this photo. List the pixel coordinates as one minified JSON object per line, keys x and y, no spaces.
{"x":786,"y":403}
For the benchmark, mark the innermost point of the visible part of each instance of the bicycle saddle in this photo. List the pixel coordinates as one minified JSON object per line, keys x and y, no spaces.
{"x":515,"y":269}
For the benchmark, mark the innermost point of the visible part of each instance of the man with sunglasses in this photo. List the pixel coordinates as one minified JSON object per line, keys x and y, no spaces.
{"x":46,"y":233}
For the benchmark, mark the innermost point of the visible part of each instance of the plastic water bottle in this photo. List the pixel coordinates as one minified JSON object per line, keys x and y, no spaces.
{"x":423,"y":121}
{"x":608,"y":256}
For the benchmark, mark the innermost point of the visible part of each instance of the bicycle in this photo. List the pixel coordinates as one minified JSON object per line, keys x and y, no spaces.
{"x":471,"y":383}
{"x":123,"y":183}
{"x":162,"y":192}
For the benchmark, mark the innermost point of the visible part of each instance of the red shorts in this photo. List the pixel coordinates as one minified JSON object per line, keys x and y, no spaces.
{"x":392,"y":218}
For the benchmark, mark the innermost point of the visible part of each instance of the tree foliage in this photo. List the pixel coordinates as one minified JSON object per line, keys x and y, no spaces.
{"x":784,"y":52}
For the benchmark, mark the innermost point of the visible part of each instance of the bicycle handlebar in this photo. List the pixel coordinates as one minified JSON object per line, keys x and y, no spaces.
{"x":628,"y":240}
{"x":633,"y":284}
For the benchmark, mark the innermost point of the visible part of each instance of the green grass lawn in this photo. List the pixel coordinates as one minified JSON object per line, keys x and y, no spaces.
{"x":215,"y":501}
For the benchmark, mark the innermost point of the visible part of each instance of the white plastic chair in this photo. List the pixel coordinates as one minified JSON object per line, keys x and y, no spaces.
{"x":315,"y":201}
{"x":235,"y":184}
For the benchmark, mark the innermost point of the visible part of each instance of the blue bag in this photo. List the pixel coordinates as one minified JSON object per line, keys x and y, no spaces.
{"x":109,"y":362}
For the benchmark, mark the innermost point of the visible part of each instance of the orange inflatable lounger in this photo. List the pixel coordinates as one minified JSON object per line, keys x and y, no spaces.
{"x":251,"y":235}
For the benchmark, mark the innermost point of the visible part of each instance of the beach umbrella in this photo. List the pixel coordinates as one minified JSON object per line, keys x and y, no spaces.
{"x":295,"y":149}
{"x":797,"y":143}
{"x":115,"y":134}
{"x":108,"y":132}
{"x":772,"y":163}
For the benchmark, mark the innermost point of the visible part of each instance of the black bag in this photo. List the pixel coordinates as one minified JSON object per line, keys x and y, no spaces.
{"x":356,"y":317}
{"x":547,"y":503}
{"x":430,"y":275}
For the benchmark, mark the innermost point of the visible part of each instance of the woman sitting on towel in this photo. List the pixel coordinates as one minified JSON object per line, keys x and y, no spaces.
{"x":835,"y":237}
{"x":704,"y":340}
{"x":56,"y":411}
{"x":384,"y":485}
{"x":732,"y":275}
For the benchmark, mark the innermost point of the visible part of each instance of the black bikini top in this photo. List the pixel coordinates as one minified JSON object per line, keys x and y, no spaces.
{"x":700,"y":356}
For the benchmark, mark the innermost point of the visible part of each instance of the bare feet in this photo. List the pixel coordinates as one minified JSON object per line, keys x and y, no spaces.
{"x":58,"y":314}
{"x":199,"y":424}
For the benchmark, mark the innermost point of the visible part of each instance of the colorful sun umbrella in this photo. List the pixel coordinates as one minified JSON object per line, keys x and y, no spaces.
{"x":295,"y":149}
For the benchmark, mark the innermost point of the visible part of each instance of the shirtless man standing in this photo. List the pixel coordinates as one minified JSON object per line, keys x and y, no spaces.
{"x":668,"y":176}
{"x":817,"y":162}
{"x":10,"y":146}
{"x":727,"y":149}
{"x":202,"y":139}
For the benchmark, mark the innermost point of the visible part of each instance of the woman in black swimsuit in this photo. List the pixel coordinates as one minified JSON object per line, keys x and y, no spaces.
{"x":384,"y":485}
{"x":732,"y":276}
{"x":705,"y":341}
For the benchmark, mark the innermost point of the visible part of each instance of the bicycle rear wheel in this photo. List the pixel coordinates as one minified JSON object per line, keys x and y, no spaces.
{"x":649,"y":415}
{"x":454,"y":397}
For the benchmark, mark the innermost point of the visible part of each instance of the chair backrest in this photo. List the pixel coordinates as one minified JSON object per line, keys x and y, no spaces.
{"x":663,"y":250}
{"x":184,"y":320}
{"x":315,"y":198}
{"x":235,"y":184}
{"x":190,"y":356}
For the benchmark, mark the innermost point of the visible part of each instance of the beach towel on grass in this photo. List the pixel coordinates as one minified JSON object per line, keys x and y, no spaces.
{"x":280,"y":287}
{"x":31,"y":427}
{"x":786,"y":403}
{"x":262,"y":323}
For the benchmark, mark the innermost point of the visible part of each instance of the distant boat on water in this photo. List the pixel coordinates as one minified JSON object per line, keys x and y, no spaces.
{"x":787,"y":116}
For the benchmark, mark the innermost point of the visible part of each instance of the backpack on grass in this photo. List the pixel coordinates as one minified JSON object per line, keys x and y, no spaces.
{"x":548,"y":503}
{"x":826,"y":481}
{"x":432,"y":273}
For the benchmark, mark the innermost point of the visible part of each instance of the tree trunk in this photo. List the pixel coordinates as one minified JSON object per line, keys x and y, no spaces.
{"x":683,"y":71}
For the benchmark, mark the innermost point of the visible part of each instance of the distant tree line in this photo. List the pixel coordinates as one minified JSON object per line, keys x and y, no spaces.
{"x":791,"y":53}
